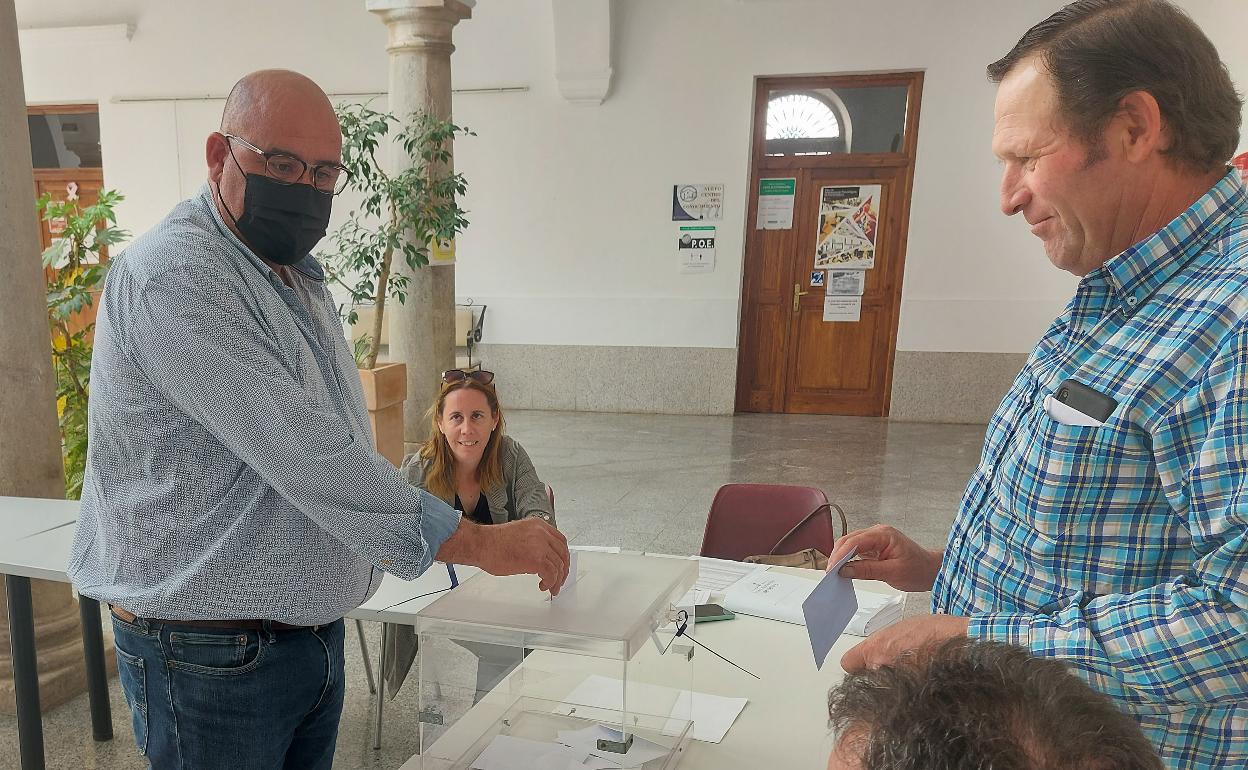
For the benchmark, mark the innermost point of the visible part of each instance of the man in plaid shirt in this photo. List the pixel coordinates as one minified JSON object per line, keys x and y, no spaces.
{"x":1114,"y":540}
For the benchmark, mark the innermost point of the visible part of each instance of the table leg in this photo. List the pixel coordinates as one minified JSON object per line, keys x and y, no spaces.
{"x":381,"y":683}
{"x":97,"y":675}
{"x":25,"y":672}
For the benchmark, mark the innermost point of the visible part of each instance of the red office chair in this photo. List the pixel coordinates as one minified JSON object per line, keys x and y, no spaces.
{"x":750,"y":519}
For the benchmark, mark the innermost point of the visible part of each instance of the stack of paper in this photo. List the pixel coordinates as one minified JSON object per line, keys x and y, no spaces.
{"x":875,"y":611}
{"x":771,"y":595}
{"x":715,"y":577}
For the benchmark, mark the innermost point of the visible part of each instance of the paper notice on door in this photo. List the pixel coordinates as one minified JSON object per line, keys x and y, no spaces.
{"x":775,"y":204}
{"x":847,"y":283}
{"x":839,"y":308}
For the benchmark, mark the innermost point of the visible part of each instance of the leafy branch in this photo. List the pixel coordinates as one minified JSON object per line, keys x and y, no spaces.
{"x":75,"y":267}
{"x":400,"y":213}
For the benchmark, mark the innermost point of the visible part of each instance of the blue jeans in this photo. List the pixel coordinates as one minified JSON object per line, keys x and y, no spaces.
{"x":207,"y":698}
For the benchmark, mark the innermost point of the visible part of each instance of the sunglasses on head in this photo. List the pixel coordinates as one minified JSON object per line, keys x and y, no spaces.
{"x":458,"y":375}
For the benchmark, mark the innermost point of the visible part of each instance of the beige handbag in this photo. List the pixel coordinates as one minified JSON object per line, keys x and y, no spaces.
{"x":809,"y":558}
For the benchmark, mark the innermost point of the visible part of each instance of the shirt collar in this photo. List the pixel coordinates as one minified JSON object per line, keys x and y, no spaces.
{"x":308,"y":266}
{"x":1139,"y":271}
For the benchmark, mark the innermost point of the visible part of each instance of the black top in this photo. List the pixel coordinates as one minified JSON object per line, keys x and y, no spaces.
{"x":482,"y":513}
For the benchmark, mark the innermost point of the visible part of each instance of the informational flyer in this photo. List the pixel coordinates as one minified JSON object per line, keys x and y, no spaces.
{"x":816,"y":279}
{"x":839,"y":308}
{"x":694,"y":202}
{"x":846,"y":282}
{"x":775,"y":204}
{"x":442,"y":251}
{"x":696,"y":248}
{"x":848,"y":225}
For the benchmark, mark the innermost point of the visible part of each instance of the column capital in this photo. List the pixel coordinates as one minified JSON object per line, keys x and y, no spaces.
{"x":416,"y":25}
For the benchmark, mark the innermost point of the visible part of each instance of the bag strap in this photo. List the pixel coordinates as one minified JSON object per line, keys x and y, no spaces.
{"x":826,"y":508}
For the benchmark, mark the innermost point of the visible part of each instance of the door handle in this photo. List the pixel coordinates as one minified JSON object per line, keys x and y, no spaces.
{"x":797,"y":296}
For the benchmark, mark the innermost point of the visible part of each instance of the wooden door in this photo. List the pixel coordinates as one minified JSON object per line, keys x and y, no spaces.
{"x":790,"y":358}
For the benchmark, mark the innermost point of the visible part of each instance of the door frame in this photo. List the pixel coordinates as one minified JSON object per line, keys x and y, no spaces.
{"x":764,"y":166}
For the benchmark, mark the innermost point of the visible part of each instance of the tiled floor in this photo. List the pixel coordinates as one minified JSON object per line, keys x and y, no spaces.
{"x":642,"y":482}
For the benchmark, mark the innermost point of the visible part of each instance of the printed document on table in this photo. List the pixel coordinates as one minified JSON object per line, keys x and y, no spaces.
{"x":718,"y":575}
{"x":772,"y":595}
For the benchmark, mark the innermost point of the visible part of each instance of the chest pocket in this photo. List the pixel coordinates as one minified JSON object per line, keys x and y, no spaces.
{"x":1078,"y":484}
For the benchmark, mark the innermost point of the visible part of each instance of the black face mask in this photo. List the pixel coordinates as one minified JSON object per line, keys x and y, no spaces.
{"x":282,"y":222}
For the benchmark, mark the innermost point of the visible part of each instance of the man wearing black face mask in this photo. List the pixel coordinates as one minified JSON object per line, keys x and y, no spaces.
{"x":234,"y":508}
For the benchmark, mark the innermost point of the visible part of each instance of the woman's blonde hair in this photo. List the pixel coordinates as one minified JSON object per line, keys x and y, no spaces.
{"x":436,"y":452}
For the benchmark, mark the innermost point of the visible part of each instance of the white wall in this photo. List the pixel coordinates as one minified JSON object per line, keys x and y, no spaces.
{"x":570,"y":241}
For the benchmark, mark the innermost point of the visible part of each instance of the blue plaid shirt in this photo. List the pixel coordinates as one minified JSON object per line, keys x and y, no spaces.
{"x":1122,"y":549}
{"x":231,"y":472}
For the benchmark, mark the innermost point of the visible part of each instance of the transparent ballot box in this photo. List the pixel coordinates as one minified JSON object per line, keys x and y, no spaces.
{"x":596,"y":678}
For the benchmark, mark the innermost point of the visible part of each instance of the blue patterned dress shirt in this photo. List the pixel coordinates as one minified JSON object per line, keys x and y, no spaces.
{"x":231,"y":472}
{"x":1123,"y":549}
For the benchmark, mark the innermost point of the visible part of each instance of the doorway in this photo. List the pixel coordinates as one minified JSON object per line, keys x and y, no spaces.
{"x":831,"y":173}
{"x":68,"y":164}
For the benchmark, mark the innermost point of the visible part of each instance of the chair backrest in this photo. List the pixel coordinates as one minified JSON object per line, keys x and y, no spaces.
{"x":463,"y":326}
{"x":749,"y":519}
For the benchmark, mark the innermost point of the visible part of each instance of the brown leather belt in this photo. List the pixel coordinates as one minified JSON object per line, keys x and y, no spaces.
{"x":240,"y":625}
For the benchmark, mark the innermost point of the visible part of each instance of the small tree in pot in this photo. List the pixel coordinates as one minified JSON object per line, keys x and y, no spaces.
{"x":400,"y":214}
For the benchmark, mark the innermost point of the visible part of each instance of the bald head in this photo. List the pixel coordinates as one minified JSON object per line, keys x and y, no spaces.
{"x":271,"y":104}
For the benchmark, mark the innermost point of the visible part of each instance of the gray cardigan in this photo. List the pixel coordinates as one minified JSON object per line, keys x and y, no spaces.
{"x":520,"y":495}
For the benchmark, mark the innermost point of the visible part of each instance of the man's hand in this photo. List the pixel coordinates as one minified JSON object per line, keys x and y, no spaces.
{"x":524,"y":547}
{"x":886,"y":554}
{"x":911,"y":634}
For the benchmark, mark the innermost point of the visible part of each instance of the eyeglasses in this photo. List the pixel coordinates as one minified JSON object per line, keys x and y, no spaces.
{"x":328,"y":178}
{"x":458,"y":375}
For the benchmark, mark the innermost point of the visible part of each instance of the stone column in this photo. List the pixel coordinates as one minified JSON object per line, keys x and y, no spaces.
{"x":30,"y":440}
{"x":422,"y":330}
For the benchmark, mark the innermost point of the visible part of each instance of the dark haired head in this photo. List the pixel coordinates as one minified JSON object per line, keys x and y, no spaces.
{"x":1098,"y":51}
{"x":965,"y":705}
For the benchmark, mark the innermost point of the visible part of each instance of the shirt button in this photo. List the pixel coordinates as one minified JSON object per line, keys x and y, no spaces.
{"x":1131,"y":300}
{"x":956,"y":542}
{"x":989,"y":468}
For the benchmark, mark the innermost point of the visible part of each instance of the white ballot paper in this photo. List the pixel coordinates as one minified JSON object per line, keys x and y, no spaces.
{"x":569,"y":585}
{"x":711,"y":715}
{"x":508,"y":753}
{"x":828,"y":610}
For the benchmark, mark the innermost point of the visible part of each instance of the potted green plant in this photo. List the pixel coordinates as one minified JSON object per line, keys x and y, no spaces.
{"x":75,"y":265}
{"x":400,"y":214}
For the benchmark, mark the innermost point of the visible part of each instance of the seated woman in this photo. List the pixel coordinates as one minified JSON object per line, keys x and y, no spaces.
{"x":470,"y":462}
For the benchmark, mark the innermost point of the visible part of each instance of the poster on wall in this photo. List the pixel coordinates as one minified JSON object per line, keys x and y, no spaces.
{"x":848,"y":224}
{"x":775,"y":203}
{"x":693,"y":202}
{"x":816,"y":278}
{"x":847,"y":283}
{"x":838,"y":308}
{"x":696,"y":249}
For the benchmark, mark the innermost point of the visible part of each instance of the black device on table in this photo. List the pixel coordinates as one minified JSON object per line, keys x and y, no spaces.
{"x":705,"y":613}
